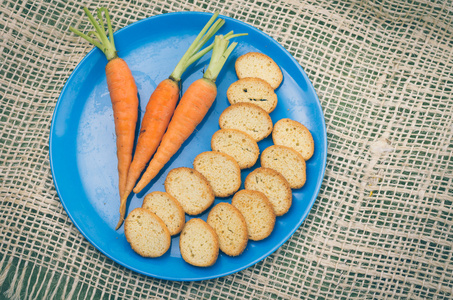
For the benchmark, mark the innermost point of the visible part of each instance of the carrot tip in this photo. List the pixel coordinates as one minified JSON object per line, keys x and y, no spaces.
{"x":122,"y":212}
{"x":120,"y":222}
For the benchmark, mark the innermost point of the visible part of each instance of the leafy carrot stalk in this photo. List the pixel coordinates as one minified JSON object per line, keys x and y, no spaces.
{"x":161,"y":106}
{"x":190,"y":111}
{"x":122,"y":88}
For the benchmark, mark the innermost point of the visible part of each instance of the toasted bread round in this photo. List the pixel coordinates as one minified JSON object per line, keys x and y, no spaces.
{"x":239,"y":145}
{"x":257,"y":211}
{"x":146,"y":233}
{"x":253,"y":90}
{"x":259,"y":65}
{"x":199,"y":244}
{"x":221,"y":170}
{"x":287,"y":162}
{"x":247,"y":117}
{"x":191,"y":189}
{"x":294,"y":135}
{"x":231,"y":228}
{"x":168,"y":209}
{"x":273,"y":185}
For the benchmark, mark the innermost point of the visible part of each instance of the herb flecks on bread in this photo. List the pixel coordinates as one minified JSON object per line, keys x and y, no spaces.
{"x":253,"y":90}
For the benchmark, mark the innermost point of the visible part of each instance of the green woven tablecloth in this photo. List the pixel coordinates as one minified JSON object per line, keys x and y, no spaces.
{"x":381,"y":226}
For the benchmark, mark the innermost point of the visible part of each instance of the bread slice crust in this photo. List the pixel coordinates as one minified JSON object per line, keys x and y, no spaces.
{"x":253,"y":90}
{"x":191,"y":189}
{"x":256,"y":64}
{"x":221,"y":171}
{"x":273,"y":185}
{"x":239,"y":145}
{"x":167,"y":208}
{"x":198,"y":243}
{"x":287,"y":162}
{"x":293,"y":134}
{"x":146,"y":233}
{"x":249,"y":118}
{"x":257,"y":211}
{"x":231,"y":228}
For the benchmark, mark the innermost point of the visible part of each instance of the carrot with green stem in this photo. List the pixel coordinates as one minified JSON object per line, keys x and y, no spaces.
{"x":191,"y":110}
{"x":161,"y":106}
{"x":122,"y":88}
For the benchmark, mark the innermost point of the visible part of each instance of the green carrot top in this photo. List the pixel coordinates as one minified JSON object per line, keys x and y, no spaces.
{"x":105,"y":43}
{"x":194,"y":53}
{"x":219,"y":55}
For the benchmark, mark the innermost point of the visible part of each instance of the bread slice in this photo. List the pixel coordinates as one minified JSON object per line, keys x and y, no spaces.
{"x":253,"y":90}
{"x":168,"y":209}
{"x":273,"y":185}
{"x":287,"y":162}
{"x":231,"y":228}
{"x":294,"y":135}
{"x":221,"y":170}
{"x":247,"y":117}
{"x":255,"y":64}
{"x":199,"y":244}
{"x":146,"y":233}
{"x":257,"y":211}
{"x":191,"y":189}
{"x":239,"y":145}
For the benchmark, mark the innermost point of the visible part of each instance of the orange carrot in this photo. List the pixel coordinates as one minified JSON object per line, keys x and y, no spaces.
{"x":160,"y":108}
{"x":123,"y":94}
{"x":122,"y":88}
{"x":190,"y":111}
{"x":158,"y":113}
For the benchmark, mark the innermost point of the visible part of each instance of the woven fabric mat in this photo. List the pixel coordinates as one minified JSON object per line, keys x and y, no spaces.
{"x":381,"y":226}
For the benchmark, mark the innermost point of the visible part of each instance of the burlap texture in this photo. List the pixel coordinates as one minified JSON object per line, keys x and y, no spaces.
{"x":382,"y":224}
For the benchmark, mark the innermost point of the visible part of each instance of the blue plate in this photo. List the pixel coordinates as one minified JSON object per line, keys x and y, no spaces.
{"x":83,"y":150}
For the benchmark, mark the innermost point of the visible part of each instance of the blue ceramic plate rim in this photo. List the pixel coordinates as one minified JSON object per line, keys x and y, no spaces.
{"x":231,"y":271}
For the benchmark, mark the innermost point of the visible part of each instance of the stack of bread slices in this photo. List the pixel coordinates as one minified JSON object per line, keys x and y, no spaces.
{"x":267,"y":192}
